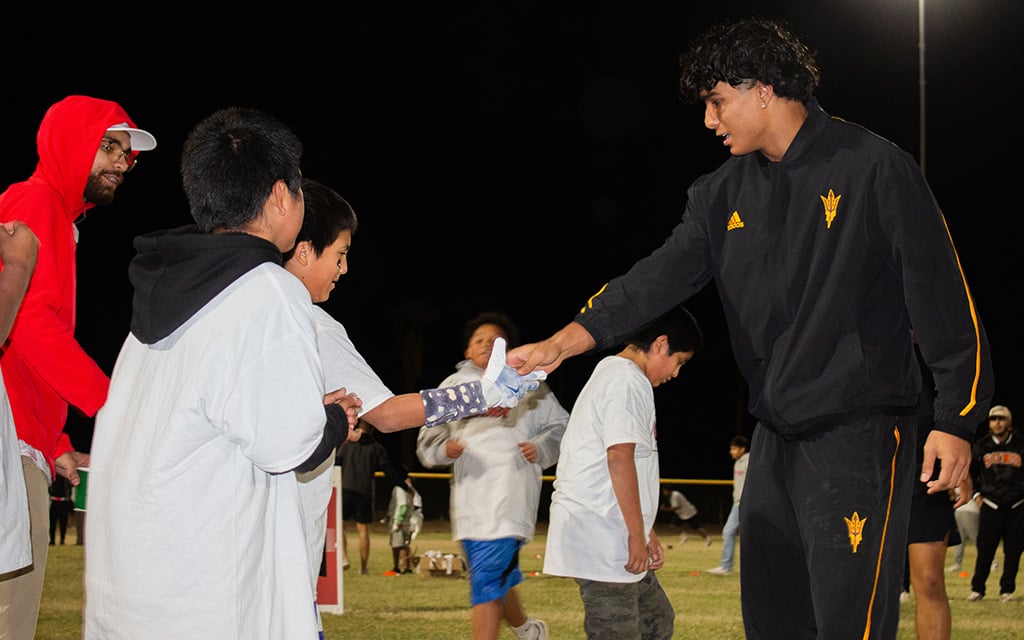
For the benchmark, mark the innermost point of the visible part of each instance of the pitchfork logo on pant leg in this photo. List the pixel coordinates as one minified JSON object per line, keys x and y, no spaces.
{"x":855,"y":528}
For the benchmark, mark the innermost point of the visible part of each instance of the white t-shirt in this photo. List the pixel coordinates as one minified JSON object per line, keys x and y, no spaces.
{"x":587,"y":535}
{"x":345,"y":367}
{"x":195,"y":527}
{"x":739,"y":476}
{"x":15,"y":542}
{"x":682,"y":507}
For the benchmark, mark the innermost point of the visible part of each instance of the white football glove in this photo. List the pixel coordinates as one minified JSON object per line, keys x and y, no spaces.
{"x":502,"y":386}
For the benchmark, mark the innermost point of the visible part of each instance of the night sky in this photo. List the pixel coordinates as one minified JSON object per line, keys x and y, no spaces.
{"x":516,"y":157}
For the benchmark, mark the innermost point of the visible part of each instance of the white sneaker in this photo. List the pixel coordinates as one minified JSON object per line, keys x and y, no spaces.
{"x":954,"y":567}
{"x":1006,"y":597}
{"x":904,"y":596}
{"x":683,"y":538}
{"x":707,"y":541}
{"x":720,"y":571}
{"x":533,"y":629}
{"x":974,"y":597}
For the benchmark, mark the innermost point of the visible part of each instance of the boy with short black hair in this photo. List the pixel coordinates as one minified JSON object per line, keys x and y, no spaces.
{"x":217,"y":396}
{"x":607,"y":482}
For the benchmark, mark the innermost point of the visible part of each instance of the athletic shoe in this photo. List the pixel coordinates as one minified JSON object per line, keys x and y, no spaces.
{"x":904,"y":596}
{"x":707,"y":541}
{"x":954,"y":567}
{"x":345,"y":564}
{"x":533,"y":629}
{"x":975,"y":596}
{"x":720,"y":571}
{"x":1006,"y":597}
{"x":683,"y":538}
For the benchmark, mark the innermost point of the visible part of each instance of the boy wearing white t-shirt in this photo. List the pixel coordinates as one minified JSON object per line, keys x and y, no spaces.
{"x":607,"y":482}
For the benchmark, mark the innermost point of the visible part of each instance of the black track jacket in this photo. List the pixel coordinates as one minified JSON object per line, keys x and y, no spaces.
{"x":823,"y":261}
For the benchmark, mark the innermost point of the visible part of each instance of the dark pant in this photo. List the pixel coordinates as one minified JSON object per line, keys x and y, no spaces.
{"x":995,"y":524}
{"x":823,"y":530}
{"x":59,"y":512}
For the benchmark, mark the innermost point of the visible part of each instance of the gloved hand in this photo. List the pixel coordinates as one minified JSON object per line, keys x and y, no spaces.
{"x":502,"y":386}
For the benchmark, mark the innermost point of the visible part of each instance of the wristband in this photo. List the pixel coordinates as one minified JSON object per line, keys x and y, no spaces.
{"x":452,"y":403}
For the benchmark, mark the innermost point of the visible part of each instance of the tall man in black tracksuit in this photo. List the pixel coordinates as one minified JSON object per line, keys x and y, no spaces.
{"x":999,"y":484}
{"x":826,"y":246}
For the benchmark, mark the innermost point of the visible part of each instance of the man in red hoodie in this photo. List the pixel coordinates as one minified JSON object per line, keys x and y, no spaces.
{"x":86,"y":147}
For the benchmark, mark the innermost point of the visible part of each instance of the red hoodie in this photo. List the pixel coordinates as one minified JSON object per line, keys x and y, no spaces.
{"x":44,"y":367}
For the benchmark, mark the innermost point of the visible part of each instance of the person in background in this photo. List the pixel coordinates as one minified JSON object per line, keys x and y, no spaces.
{"x":605,"y":500}
{"x":825,"y":245}
{"x":61,"y":506}
{"x":87,"y":147}
{"x":932,"y":529}
{"x":401,"y":518}
{"x":497,"y":463}
{"x":19,"y":248}
{"x":217,"y":399}
{"x":967,"y":516}
{"x":738,"y":450}
{"x":360,"y":458}
{"x":683,"y":514}
{"x":998,"y":470}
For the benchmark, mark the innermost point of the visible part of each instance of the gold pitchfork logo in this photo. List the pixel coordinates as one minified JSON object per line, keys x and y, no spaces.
{"x":855,"y":529}
{"x":831,"y":203}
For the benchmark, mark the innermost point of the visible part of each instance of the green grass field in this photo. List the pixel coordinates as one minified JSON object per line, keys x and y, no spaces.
{"x":410,"y":607}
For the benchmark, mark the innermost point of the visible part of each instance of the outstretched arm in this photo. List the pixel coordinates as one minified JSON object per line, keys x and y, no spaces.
{"x":547,"y":355}
{"x":500,"y":386}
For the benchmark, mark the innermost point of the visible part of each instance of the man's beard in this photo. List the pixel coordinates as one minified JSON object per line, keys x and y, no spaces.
{"x":98,"y":191}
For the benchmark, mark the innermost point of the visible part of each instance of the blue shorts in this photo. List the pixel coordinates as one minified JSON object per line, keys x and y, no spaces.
{"x":493,"y":568}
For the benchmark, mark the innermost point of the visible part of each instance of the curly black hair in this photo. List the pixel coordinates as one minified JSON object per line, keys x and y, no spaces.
{"x":746,"y":51}
{"x":499,"y":318}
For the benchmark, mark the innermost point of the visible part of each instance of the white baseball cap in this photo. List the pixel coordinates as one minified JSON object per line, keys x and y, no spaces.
{"x":1000,"y":410}
{"x":141,"y":140}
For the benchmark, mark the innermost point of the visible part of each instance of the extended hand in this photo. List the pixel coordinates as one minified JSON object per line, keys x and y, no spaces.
{"x":955,"y":454}
{"x":350,"y":402}
{"x":68,"y":463}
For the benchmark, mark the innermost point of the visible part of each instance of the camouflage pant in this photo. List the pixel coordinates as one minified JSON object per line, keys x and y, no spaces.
{"x":626,"y":610}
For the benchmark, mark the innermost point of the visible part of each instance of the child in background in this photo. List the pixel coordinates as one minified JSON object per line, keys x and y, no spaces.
{"x":601,"y":527}
{"x":402,"y":522}
{"x":684,"y":514}
{"x":497,"y":463}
